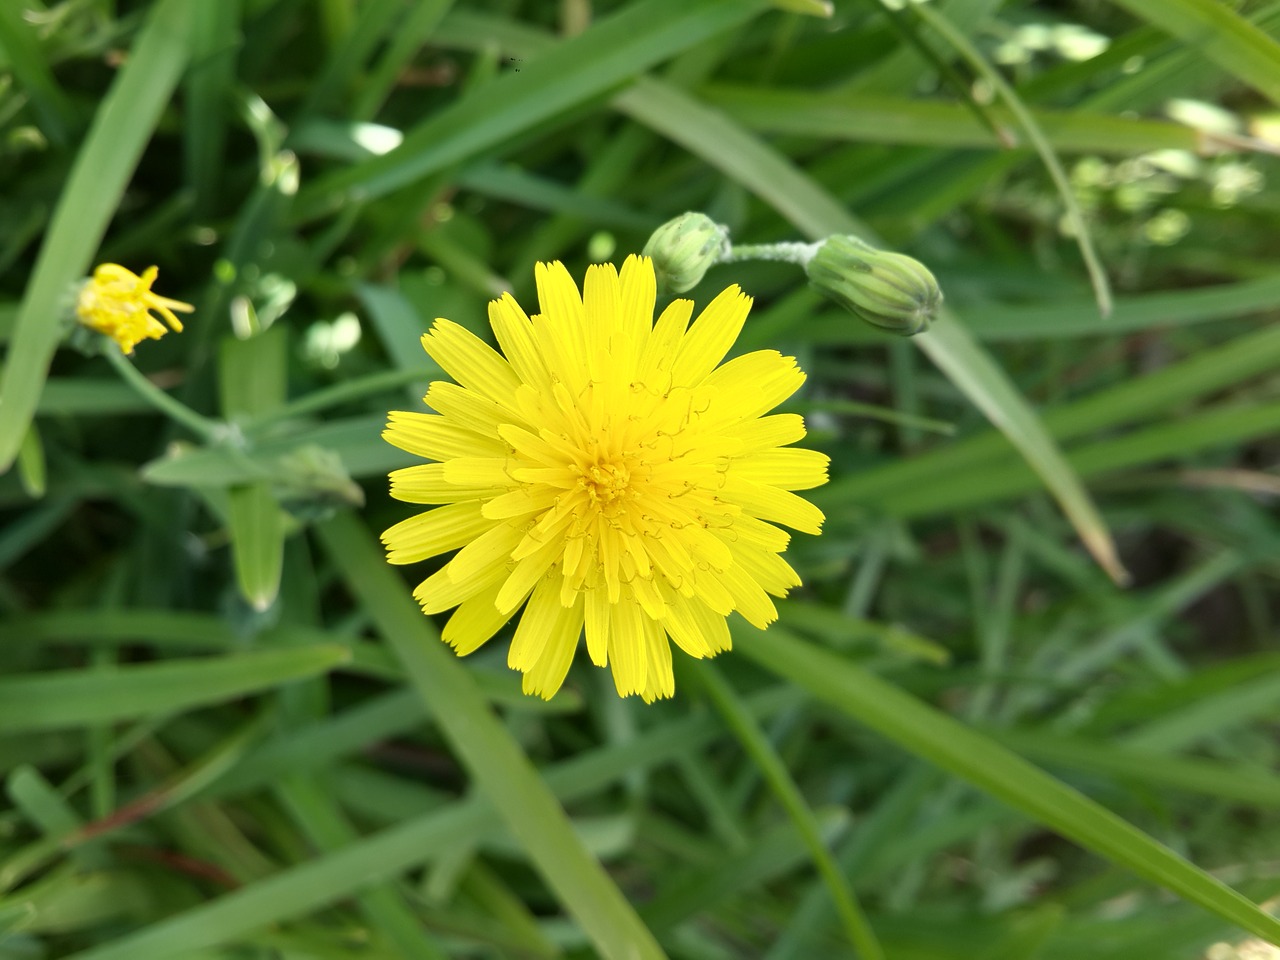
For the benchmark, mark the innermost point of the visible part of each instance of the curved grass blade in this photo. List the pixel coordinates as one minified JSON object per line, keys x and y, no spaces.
{"x":955,"y":747}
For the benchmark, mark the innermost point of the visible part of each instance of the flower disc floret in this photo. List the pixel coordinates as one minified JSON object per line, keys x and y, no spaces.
{"x":117,"y":302}
{"x":609,"y":473}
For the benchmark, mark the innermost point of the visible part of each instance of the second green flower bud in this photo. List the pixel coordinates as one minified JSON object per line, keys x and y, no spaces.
{"x":889,"y":290}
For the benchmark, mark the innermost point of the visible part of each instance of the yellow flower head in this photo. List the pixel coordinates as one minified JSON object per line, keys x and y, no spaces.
{"x":118,"y":302}
{"x":610,"y":472}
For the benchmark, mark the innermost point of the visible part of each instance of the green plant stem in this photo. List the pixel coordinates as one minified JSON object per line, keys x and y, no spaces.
{"x":748,"y":732}
{"x":791,"y":252}
{"x":205,"y":428}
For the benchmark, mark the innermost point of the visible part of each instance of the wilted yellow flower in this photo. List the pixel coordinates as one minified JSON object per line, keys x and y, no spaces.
{"x":608,"y":470}
{"x":118,"y":302}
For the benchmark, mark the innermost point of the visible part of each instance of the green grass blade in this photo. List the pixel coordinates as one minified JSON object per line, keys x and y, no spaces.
{"x":410,"y":36}
{"x":68,"y":698}
{"x":954,"y":350}
{"x":1221,"y":34}
{"x":502,"y":771}
{"x":871,"y":118}
{"x":1197,"y":375}
{"x":775,"y":772}
{"x":123,"y":125}
{"x":1131,"y":764}
{"x":208,"y":96}
{"x":575,"y":70}
{"x":971,"y":756}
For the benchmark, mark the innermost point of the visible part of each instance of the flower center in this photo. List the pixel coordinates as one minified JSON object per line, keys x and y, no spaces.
{"x":606,"y":482}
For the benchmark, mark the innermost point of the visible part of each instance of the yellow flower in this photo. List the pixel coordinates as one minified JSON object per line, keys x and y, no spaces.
{"x":118,"y":302}
{"x":608,"y":470}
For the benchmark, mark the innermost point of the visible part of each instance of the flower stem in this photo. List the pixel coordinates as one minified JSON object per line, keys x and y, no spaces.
{"x":205,"y":428}
{"x":793,"y":252}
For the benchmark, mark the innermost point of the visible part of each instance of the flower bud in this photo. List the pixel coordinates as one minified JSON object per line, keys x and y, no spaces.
{"x":684,"y":249}
{"x":888,"y":290}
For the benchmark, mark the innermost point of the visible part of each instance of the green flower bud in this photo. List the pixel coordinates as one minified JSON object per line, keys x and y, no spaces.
{"x":684,"y":249}
{"x":888,"y":290}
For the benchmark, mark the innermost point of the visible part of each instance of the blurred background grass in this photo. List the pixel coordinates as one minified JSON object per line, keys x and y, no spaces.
{"x":225,"y":730}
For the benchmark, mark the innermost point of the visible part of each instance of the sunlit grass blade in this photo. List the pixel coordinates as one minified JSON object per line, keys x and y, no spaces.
{"x":123,"y":125}
{"x":938,"y":738}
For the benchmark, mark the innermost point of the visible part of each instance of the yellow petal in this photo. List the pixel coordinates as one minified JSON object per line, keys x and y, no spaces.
{"x":770,"y":503}
{"x":436,"y":438}
{"x":711,"y":336}
{"x":768,"y":569}
{"x":547,"y":675}
{"x":752,"y":384}
{"x":468,"y":408}
{"x":426,"y":483}
{"x":749,"y":598}
{"x":791,"y":468}
{"x":436,"y":531}
{"x":773,"y":431}
{"x":628,"y":656}
{"x":596,"y":621}
{"x":474,"y":622}
{"x":528,"y":571}
{"x":684,"y":628}
{"x":514,"y":333}
{"x":536,"y":626}
{"x":487,"y":553}
{"x":660,"y":681}
{"x":440,"y":591}
{"x":469,"y":360}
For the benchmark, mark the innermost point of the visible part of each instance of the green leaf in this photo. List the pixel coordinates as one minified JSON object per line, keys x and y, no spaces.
{"x":954,"y":747}
{"x":123,"y":125}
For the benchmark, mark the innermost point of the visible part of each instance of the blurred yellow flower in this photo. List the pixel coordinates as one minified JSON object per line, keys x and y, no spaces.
{"x":118,"y":302}
{"x":611,"y":472}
